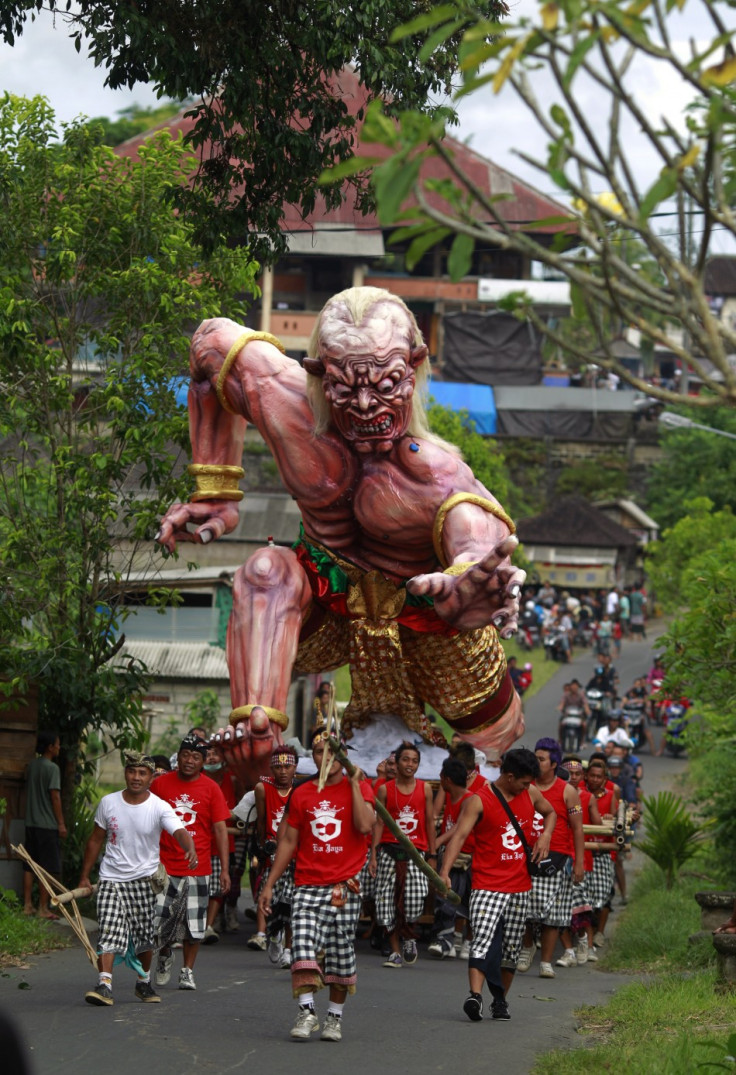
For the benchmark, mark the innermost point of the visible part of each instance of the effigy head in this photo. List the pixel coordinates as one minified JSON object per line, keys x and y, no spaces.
{"x":364,"y":354}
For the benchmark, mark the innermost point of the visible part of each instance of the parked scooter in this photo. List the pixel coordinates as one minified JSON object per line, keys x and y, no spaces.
{"x":572,"y":729}
{"x":554,"y":648}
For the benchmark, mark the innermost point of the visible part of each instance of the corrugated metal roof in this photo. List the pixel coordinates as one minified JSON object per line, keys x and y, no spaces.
{"x":562,"y":398}
{"x":178,"y":660}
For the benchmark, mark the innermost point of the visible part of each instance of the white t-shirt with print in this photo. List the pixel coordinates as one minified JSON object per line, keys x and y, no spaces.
{"x":133,"y":834}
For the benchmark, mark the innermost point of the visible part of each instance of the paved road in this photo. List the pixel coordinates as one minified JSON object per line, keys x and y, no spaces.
{"x":407,"y":1020}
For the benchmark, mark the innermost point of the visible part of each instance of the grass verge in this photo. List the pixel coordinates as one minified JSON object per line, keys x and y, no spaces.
{"x":23,"y":935}
{"x":673,"y":1021}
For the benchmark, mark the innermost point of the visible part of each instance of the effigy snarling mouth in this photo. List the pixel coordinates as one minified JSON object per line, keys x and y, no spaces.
{"x":373,"y":426}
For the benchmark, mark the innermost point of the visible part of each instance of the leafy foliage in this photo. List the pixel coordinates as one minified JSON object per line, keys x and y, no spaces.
{"x":547,"y":58}
{"x":594,"y":480}
{"x":270,"y":109}
{"x":674,"y":562}
{"x":98,"y":283}
{"x":133,"y":121}
{"x":713,"y":769}
{"x":672,"y":836}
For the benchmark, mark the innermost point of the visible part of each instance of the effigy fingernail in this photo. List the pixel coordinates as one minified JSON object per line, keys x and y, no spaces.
{"x":515,"y":590}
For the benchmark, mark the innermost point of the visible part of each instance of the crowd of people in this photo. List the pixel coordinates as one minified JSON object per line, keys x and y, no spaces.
{"x":512,"y":850}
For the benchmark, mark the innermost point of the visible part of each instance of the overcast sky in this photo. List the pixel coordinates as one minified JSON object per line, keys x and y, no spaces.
{"x":44,"y":61}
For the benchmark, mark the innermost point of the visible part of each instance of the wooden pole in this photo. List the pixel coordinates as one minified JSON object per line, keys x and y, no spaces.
{"x":416,"y":856}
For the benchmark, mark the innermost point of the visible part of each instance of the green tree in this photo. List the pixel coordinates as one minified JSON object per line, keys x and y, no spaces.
{"x":98,"y":281}
{"x":482,"y":454}
{"x":674,"y":562}
{"x":133,"y":121}
{"x":270,"y":105}
{"x":694,"y":464}
{"x":593,"y":160}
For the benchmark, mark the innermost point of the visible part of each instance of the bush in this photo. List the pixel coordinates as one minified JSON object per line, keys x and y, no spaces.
{"x":672,"y":836}
{"x":22,"y":935}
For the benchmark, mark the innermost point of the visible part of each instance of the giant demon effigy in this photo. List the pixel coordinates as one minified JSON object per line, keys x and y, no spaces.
{"x":402,"y":568}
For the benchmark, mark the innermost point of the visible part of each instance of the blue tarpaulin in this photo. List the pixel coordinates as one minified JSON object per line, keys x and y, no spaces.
{"x":476,"y":399}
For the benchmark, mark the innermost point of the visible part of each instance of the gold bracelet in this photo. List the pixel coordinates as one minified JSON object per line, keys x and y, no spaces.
{"x":247,"y":337}
{"x":215,"y":481}
{"x":460,"y":498}
{"x":274,"y":715}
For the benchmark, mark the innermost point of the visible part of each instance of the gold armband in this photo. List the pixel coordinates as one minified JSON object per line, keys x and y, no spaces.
{"x":247,"y":337}
{"x":274,"y":715}
{"x":215,"y":481}
{"x":465,"y":498}
{"x":573,"y":810}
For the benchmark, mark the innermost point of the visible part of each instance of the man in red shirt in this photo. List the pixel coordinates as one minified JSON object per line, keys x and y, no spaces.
{"x":326,"y":831}
{"x":453,"y":784}
{"x":401,"y":887}
{"x":501,"y":881}
{"x":272,"y":795}
{"x":182,"y":908}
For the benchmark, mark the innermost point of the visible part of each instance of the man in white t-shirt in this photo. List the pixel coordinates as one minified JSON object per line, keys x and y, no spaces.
{"x":132,"y":821}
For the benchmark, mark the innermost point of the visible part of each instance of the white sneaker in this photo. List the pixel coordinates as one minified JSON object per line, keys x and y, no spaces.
{"x":333,"y":1029}
{"x":258,"y":942}
{"x":569,"y":959}
{"x":592,"y":955}
{"x":599,"y":940}
{"x":163,"y":968}
{"x":442,"y":949}
{"x":464,"y":952}
{"x":306,"y":1023}
{"x":285,"y":959}
{"x":546,"y":971}
{"x":210,"y":936}
{"x":581,"y":951}
{"x":186,"y":978}
{"x":275,"y":948}
{"x":231,"y":920}
{"x":525,"y":959}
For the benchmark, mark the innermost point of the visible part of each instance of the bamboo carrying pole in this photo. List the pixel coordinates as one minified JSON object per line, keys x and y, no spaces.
{"x":416,"y":856}
{"x":72,"y":894}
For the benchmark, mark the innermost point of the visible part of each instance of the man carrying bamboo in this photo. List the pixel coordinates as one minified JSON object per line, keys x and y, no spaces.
{"x":326,"y":830}
{"x":132,"y":821}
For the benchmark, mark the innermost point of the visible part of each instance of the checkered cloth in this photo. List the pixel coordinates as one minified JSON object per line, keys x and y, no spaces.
{"x":551,"y":899}
{"x":602,"y":880}
{"x":125,"y":913}
{"x":323,"y":936}
{"x":181,"y":910}
{"x":215,"y":877}
{"x":582,"y":900}
{"x":486,"y":909}
{"x":367,"y":882}
{"x":415,"y":890}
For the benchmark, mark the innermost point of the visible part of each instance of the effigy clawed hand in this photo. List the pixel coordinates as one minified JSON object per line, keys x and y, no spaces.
{"x":248,"y":746}
{"x":211,"y":518}
{"x":488,"y":592}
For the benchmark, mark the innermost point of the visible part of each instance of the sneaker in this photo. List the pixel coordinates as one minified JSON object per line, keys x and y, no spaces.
{"x":443,"y":949}
{"x":473,"y":1007}
{"x":545,"y":970}
{"x":464,"y":952}
{"x":275,"y":948}
{"x":186,"y":979}
{"x":333,"y":1029}
{"x":231,"y":920}
{"x":525,"y":959}
{"x":285,"y":959}
{"x":581,"y":951}
{"x":144,"y":991}
{"x":394,"y":960}
{"x":599,"y":940}
{"x":569,"y":959}
{"x":592,"y":956}
{"x":500,"y":1009}
{"x":306,"y":1023}
{"x":101,"y":996}
{"x":410,"y":952}
{"x":163,"y":968}
{"x":258,"y":942}
{"x":210,"y":936}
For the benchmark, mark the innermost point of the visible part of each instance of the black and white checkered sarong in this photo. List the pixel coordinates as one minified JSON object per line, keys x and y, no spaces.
{"x":181,"y":910}
{"x":415,"y":891}
{"x":486,"y":908}
{"x":215,"y":877}
{"x":125,"y":913}
{"x":551,"y":898}
{"x":323,"y":936}
{"x":602,"y":880}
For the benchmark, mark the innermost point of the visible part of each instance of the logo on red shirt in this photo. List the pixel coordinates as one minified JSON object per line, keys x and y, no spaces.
{"x":326,"y":826}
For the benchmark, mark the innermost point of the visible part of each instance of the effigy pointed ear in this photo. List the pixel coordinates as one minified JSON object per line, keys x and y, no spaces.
{"x":314,"y":366}
{"x":418,"y":355}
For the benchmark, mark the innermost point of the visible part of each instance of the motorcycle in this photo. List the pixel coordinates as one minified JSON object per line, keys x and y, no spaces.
{"x":554,"y":648}
{"x":676,"y":721}
{"x":528,"y":637}
{"x":600,"y":707}
{"x":572,"y":729}
{"x":633,"y":716}
{"x":656,"y":702}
